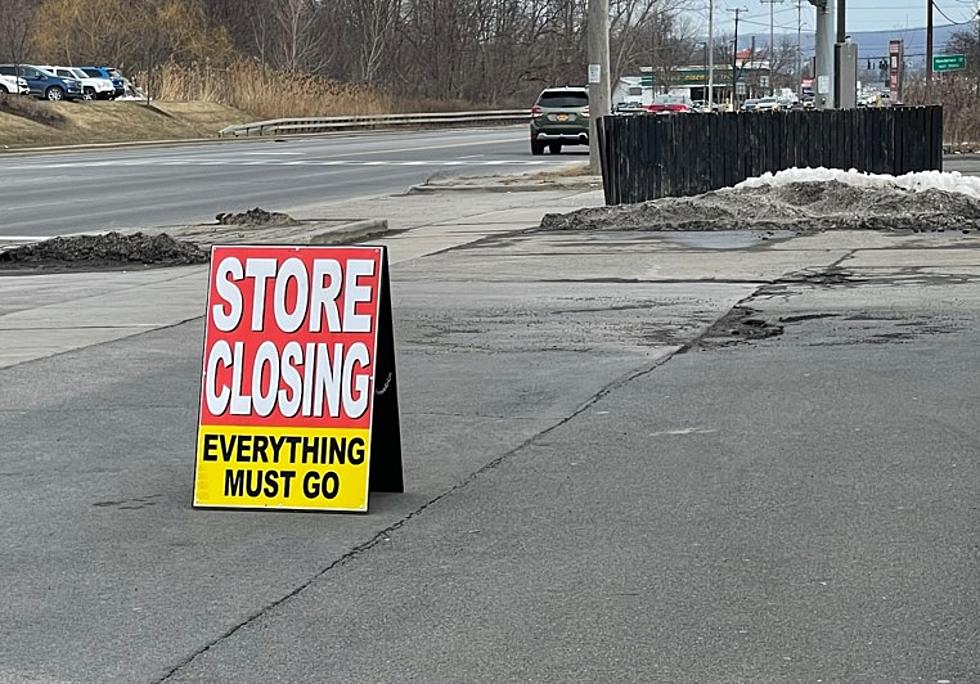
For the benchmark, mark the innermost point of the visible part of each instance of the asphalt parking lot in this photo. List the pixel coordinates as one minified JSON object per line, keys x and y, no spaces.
{"x":600,"y":483}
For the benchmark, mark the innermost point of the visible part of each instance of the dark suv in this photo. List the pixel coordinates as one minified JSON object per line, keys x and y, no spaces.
{"x":560,"y":117}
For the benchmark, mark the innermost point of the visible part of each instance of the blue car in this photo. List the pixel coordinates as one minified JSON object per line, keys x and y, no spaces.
{"x":118,"y":82}
{"x":43,"y":84}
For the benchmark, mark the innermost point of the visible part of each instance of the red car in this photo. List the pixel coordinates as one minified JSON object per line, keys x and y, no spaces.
{"x":670,"y":104}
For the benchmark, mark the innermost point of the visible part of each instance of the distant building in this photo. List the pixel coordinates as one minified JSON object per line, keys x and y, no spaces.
{"x":692,"y":81}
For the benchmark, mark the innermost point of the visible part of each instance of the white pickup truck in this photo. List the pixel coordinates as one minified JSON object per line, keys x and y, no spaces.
{"x":92,"y":88}
{"x":12,"y":85}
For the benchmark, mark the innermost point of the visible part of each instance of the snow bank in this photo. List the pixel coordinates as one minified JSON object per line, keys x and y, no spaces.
{"x":913,"y":182}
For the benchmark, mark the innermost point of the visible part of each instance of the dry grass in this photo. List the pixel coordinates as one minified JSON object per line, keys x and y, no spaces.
{"x":266,"y":92}
{"x":269,"y":93}
{"x":32,"y":110}
{"x":99,"y":122}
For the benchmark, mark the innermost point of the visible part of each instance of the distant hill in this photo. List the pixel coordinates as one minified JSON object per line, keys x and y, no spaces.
{"x":872,"y":44}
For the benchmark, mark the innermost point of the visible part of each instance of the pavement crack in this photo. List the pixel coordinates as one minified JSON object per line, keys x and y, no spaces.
{"x":140,"y":333}
{"x":491,"y":465}
{"x":384,"y":534}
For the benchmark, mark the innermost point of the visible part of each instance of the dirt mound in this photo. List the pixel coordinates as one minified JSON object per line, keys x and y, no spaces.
{"x":803,"y":207}
{"x":110,"y":249}
{"x":256,"y":217}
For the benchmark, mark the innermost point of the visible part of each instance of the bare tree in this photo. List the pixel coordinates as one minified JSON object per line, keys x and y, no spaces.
{"x":16,"y":29}
{"x":299,"y":47}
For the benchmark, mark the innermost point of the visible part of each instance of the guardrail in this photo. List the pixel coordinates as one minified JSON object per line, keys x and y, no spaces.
{"x":346,"y":123}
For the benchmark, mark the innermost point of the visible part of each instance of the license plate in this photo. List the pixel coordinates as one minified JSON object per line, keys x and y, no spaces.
{"x":563,"y":117}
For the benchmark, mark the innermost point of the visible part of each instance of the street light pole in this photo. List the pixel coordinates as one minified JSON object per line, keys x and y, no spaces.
{"x":599,"y":98}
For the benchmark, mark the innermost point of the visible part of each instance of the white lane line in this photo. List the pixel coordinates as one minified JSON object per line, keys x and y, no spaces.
{"x":297,"y":162}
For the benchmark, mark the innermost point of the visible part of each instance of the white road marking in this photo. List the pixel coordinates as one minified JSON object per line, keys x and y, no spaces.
{"x":683,"y":431}
{"x":278,"y":162}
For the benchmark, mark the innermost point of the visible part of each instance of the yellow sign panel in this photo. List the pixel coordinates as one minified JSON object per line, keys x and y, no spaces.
{"x":297,"y":468}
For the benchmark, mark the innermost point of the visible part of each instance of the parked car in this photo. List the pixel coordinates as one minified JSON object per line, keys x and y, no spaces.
{"x":703,"y":107}
{"x":13,"y":85}
{"x":113,"y":75}
{"x":750,"y":105}
{"x":630,"y":107}
{"x":43,"y":84}
{"x":671,"y":104}
{"x":92,"y":87}
{"x":767,"y":104}
{"x":560,"y":116}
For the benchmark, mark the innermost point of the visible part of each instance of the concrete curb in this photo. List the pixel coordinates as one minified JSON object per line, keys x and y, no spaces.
{"x":515,"y":187}
{"x":355,"y":231}
{"x":337,"y":234}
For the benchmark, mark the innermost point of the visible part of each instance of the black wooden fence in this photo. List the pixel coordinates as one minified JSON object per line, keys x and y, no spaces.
{"x":646,"y":157}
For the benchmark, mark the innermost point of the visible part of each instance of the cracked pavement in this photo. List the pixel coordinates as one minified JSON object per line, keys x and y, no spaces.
{"x":607,"y":480}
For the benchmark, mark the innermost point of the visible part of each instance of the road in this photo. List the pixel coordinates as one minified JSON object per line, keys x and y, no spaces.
{"x":967,"y":164}
{"x":52,"y":194}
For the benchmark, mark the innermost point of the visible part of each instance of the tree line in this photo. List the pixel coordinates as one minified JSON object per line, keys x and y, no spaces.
{"x":484,"y":52}
{"x":478,"y":51}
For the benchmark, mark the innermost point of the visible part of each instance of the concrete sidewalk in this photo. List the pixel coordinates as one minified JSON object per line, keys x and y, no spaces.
{"x":52,"y":313}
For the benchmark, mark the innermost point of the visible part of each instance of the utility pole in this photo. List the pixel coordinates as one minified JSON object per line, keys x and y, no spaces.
{"x":799,"y":49}
{"x":772,"y":41}
{"x":824,"y":76}
{"x":599,"y":97}
{"x":842,"y":20}
{"x":929,"y":50}
{"x":711,"y":54}
{"x":736,"y":12}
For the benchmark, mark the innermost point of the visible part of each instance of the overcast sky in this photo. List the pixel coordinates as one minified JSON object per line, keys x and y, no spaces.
{"x":862,"y":15}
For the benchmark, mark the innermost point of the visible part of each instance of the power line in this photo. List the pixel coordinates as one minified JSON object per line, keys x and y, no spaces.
{"x":954,"y":23}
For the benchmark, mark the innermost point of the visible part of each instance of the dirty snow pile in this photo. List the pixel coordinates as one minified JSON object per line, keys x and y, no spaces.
{"x":802,"y":200}
{"x":109,"y":249}
{"x":917,"y":181}
{"x":256,"y":217}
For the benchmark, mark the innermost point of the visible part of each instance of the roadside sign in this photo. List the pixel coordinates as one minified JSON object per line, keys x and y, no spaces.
{"x":299,"y":406}
{"x":942,"y":63}
{"x":896,"y":70}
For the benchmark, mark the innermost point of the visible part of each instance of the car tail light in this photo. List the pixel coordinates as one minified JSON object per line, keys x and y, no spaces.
{"x":585,"y":112}
{"x":536,"y":111}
